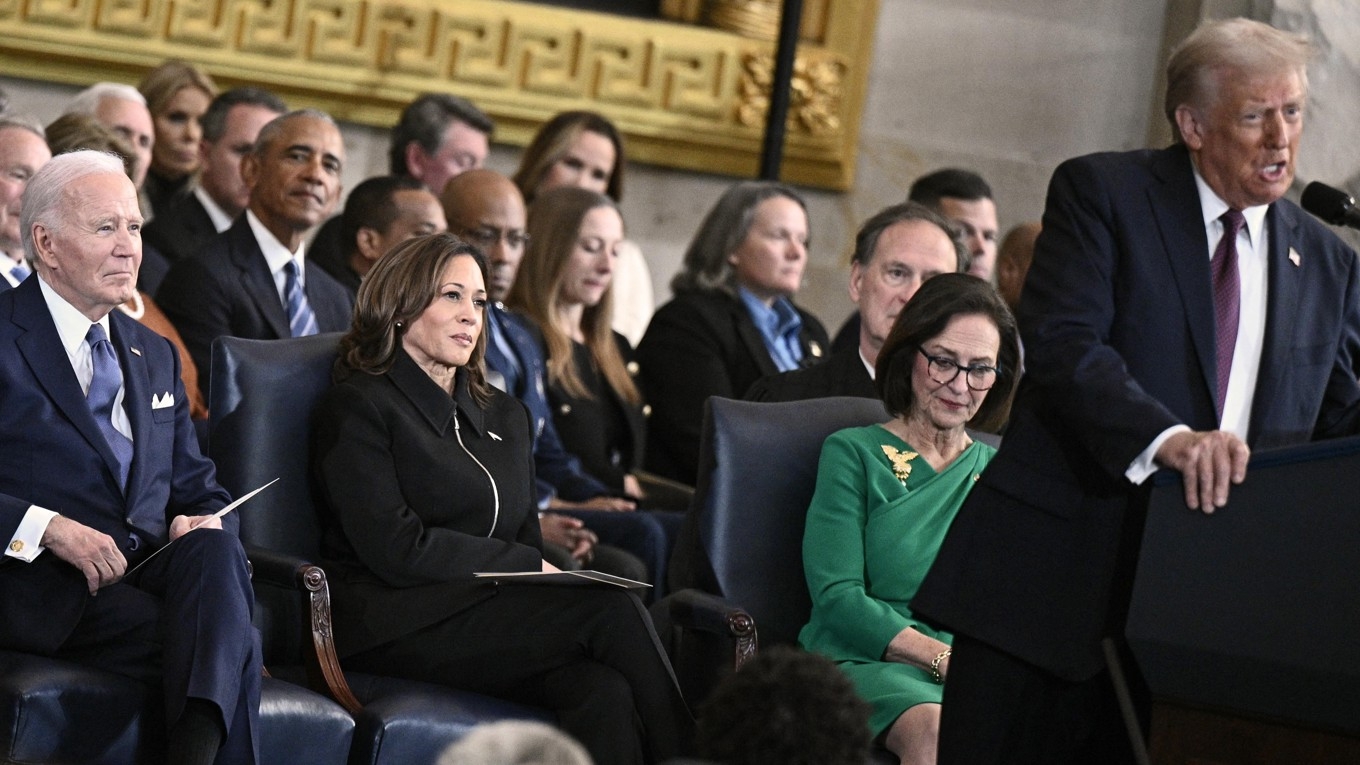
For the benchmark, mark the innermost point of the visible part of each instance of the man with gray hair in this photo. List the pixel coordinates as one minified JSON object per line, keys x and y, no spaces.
{"x":1163,"y":317}
{"x":23,"y":149}
{"x":253,"y":280}
{"x":112,"y":473}
{"x":896,"y":251}
{"x":122,"y":108}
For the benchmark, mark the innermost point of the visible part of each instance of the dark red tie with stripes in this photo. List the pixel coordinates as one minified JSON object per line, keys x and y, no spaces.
{"x":1227,"y":299}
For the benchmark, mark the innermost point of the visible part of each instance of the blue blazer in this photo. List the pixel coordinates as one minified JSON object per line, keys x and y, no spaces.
{"x":1118,"y":325}
{"x":227,"y":289}
{"x":555,"y":469}
{"x":56,"y":457}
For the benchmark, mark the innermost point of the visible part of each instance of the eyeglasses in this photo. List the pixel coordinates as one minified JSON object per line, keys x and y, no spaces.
{"x":486,"y":237}
{"x":979,"y":377}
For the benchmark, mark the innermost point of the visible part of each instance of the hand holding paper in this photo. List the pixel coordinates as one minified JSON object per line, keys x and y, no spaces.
{"x":216,"y":517}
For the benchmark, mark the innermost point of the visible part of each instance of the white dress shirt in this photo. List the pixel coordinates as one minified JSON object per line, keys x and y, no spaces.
{"x":278,"y":256}
{"x":1253,"y":250}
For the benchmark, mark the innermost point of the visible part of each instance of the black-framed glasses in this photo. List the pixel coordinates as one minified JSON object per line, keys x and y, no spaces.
{"x":486,"y":237}
{"x":979,"y":377}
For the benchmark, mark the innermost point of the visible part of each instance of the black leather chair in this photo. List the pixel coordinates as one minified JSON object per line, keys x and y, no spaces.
{"x":262,"y":394}
{"x":738,"y":565}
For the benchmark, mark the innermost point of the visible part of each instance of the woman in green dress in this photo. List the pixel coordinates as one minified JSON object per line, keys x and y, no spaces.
{"x":887,"y":493}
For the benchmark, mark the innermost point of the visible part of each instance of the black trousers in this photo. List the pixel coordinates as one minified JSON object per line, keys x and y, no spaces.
{"x":999,"y":709}
{"x":183,"y":621}
{"x":587,"y":653}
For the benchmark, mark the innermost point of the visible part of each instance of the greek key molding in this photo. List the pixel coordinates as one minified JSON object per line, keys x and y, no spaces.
{"x":684,"y":96}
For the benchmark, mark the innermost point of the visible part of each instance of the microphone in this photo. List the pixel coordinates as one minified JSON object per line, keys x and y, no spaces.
{"x":1331,"y":205}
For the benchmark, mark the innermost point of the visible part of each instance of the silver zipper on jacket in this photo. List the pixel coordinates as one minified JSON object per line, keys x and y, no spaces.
{"x":495,"y":493}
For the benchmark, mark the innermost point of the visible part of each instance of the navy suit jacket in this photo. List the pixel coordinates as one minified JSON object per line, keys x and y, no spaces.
{"x":1118,"y":326}
{"x":228,"y":290}
{"x":57,"y":458}
{"x":556,"y":470}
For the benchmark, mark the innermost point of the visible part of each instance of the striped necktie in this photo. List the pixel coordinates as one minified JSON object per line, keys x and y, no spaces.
{"x":301,"y":318}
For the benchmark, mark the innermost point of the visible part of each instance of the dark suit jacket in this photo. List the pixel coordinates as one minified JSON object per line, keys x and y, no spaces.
{"x":57,"y":458}
{"x":702,"y":344}
{"x":586,"y":424}
{"x":1118,"y":323}
{"x":227,"y":290}
{"x":182,"y":230}
{"x":409,"y":514}
{"x":842,"y":374}
{"x":556,"y":469}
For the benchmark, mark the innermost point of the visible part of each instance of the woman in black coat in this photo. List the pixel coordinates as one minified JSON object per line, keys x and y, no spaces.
{"x":427,"y":476}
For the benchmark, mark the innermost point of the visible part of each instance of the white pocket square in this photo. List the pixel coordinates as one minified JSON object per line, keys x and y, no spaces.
{"x":162,"y":401}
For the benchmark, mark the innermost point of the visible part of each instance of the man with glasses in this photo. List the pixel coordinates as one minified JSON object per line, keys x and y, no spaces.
{"x":896,"y":251}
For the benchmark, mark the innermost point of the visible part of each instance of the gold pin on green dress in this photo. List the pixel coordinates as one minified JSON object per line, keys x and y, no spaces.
{"x":874,"y":526}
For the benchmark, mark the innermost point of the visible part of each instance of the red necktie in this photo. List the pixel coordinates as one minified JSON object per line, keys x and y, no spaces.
{"x":1227,"y":299}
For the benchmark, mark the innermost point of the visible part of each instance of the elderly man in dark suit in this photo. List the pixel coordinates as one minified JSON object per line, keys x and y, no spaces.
{"x":1179,"y":313}
{"x":896,"y":251}
{"x":110,"y":471}
{"x":254,"y":281}
{"x":230,"y":126}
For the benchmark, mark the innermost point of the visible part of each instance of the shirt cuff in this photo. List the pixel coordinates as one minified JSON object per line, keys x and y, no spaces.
{"x":24,"y":545}
{"x":1145,"y":464}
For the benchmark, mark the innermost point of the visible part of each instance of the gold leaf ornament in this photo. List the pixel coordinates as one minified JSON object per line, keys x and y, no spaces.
{"x":901,"y":462}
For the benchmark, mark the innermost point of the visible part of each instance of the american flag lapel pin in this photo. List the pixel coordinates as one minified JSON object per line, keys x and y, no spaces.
{"x":134,"y":349}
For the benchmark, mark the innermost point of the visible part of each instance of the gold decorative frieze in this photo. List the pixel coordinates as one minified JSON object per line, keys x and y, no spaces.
{"x":685,"y":96}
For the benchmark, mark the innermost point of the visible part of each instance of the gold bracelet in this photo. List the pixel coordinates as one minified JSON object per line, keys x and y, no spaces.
{"x":935,"y":665}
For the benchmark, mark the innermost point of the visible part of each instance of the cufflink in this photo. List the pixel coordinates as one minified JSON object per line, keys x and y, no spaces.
{"x":16,"y":546}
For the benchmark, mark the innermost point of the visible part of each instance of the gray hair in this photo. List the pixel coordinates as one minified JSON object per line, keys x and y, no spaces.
{"x":87,"y":101}
{"x":705,"y":265}
{"x":41,"y":202}
{"x":275,"y":126}
{"x":516,"y":742}
{"x":1243,"y":46}
{"x":866,"y":241}
{"x":23,"y":122}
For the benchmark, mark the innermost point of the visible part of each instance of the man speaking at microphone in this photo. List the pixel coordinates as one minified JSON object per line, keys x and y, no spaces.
{"x":1178,"y":314}
{"x":102,"y":468}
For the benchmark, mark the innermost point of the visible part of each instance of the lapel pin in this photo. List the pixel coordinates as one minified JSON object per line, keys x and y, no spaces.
{"x":1294,"y":257}
{"x":133,"y":348}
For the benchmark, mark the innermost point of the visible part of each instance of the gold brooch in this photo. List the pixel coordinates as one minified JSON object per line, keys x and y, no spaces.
{"x":901,"y":462}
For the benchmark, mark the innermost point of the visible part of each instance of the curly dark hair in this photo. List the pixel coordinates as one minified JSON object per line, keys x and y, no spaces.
{"x":785,"y":706}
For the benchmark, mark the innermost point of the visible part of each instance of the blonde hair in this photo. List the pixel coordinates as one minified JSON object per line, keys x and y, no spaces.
{"x":162,"y":83}
{"x":1240,"y":46}
{"x":554,"y":231}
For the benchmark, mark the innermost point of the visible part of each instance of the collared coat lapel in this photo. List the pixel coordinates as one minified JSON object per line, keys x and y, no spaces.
{"x":1283,"y":299}
{"x":256,"y":280}
{"x":751,"y":338}
{"x":1176,"y":208}
{"x":41,"y":346}
{"x":136,"y":400}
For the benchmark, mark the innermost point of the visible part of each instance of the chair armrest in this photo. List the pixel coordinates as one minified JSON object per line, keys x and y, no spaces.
{"x":706,"y":637}
{"x":309,"y":581}
{"x":663,"y":493}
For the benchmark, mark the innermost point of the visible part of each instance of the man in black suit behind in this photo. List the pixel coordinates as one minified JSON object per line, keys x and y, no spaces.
{"x":896,"y":251}
{"x":230,"y":126}
{"x":102,"y":467}
{"x":253,"y":281}
{"x":1179,"y":313}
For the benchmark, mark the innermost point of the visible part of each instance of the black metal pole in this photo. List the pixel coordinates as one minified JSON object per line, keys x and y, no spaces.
{"x":772,"y":152}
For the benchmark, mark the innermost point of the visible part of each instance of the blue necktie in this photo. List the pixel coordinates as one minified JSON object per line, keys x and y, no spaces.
{"x":301,"y":318}
{"x":20,"y":272}
{"x":105,"y":381}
